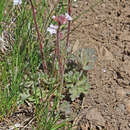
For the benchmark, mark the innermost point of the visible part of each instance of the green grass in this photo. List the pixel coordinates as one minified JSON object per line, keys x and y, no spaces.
{"x":21,"y":73}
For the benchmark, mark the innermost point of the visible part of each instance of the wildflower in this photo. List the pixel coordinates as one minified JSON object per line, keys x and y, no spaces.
{"x":68,"y":17}
{"x":16,"y":2}
{"x":52,"y":29}
{"x":62,"y":19}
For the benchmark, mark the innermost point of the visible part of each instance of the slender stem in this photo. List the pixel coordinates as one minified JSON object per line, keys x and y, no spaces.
{"x":39,"y":38}
{"x":58,"y":52}
{"x":60,"y":62}
{"x":68,"y":33}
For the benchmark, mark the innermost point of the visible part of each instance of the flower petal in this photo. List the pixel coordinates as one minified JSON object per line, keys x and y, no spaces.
{"x":52,"y":29}
{"x":53,"y":17}
{"x":53,"y":26}
{"x":16,"y":2}
{"x":68,"y":17}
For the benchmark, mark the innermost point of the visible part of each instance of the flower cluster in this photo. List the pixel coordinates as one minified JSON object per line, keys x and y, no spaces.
{"x":62,"y":19}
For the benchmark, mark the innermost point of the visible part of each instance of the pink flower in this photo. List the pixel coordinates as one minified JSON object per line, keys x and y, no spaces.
{"x":62,"y":19}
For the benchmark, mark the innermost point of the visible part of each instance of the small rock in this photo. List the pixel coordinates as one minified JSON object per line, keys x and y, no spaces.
{"x":94,"y":115}
{"x":121,"y":107}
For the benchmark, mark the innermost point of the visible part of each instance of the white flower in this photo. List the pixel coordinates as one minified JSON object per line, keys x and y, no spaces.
{"x":16,"y":2}
{"x":68,"y":17}
{"x":52,"y":29}
{"x":17,"y":125}
{"x":53,"y":17}
{"x":54,"y":26}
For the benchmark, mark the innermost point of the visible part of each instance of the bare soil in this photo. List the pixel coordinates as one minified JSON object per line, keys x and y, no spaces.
{"x":106,"y":27}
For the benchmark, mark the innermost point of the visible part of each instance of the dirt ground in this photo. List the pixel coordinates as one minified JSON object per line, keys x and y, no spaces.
{"x":105,"y":27}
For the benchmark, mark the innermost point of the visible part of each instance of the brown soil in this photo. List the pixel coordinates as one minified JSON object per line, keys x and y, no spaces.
{"x":105,"y":27}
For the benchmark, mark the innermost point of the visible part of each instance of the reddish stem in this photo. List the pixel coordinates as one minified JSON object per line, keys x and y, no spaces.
{"x":68,"y":33}
{"x":58,"y":53}
{"x":39,"y":38}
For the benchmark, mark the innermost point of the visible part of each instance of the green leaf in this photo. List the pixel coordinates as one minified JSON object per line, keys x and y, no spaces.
{"x":86,"y":57}
{"x":80,"y":86}
{"x":74,"y":94}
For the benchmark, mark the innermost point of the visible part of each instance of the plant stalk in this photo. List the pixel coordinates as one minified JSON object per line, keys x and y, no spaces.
{"x":68,"y":33}
{"x":60,"y":63}
{"x":58,"y":53}
{"x":39,"y":38}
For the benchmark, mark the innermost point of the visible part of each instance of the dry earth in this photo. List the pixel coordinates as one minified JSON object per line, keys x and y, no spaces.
{"x":105,"y":27}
